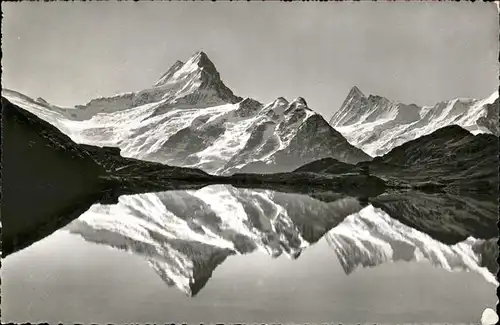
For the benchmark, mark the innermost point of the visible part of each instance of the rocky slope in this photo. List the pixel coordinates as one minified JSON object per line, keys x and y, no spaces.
{"x":190,"y":118}
{"x":376,"y":124}
{"x":445,"y":183}
{"x":448,"y":157}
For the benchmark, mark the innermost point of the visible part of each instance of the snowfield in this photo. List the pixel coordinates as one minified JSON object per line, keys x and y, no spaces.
{"x":190,"y":118}
{"x":376,"y":125}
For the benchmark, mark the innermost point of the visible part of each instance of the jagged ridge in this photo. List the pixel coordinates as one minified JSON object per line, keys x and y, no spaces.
{"x":376,"y":124}
{"x":176,"y":123}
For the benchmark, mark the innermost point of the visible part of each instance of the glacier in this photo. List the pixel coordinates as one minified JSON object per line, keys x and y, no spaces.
{"x":376,"y":124}
{"x":190,"y":118}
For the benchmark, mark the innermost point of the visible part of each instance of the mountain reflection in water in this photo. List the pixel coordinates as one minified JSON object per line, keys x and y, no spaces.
{"x":185,"y":235}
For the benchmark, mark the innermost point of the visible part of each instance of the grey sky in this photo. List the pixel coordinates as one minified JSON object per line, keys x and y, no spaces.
{"x":69,"y":53}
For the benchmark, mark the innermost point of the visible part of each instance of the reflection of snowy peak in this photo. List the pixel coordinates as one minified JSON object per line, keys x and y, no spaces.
{"x":185,"y":235}
{"x":370,"y":238}
{"x":376,"y":124}
{"x":190,"y":118}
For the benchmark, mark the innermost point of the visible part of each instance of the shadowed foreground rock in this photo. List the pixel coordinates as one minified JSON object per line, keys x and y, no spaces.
{"x":450,"y":159}
{"x":44,"y":178}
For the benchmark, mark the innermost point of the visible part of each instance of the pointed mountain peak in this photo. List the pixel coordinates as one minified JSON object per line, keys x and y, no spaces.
{"x":201,"y":60}
{"x":197,"y":63}
{"x":356,"y":92}
{"x":248,"y":107}
{"x":280,"y":101}
{"x":350,"y":110}
{"x":170,"y":72}
{"x":195,"y":81}
{"x":200,"y":56}
{"x":299,"y":101}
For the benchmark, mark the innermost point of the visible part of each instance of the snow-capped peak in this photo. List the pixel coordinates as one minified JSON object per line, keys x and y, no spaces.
{"x":355,"y":92}
{"x":492,"y":98}
{"x":194,"y":82}
{"x":167,"y":75}
{"x":197,"y":67}
{"x":299,"y":101}
{"x":376,"y":124}
{"x":201,"y":59}
{"x":278,"y":106}
{"x":280,"y":101}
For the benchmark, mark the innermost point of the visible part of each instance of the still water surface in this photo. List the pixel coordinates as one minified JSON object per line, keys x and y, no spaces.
{"x":64,"y":278}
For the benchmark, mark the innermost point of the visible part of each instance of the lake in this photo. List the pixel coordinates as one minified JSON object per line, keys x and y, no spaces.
{"x":227,"y":255}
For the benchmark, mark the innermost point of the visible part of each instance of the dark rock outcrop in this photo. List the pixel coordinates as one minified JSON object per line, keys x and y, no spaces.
{"x":450,"y":158}
{"x":45,"y":177}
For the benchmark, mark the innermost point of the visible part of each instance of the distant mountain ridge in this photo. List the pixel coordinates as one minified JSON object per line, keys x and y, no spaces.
{"x":376,"y":124}
{"x":190,"y":118}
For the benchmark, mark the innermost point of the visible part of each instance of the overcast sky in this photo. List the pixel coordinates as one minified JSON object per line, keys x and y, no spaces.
{"x":69,"y":53}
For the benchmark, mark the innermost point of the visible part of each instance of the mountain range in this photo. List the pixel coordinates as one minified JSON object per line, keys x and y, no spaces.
{"x":190,"y":118}
{"x":431,"y":173}
{"x":376,"y":124}
{"x":185,"y":234}
{"x":62,"y":179}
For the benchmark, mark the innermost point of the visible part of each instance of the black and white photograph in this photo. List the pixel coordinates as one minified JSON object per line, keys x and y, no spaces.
{"x":250,"y":162}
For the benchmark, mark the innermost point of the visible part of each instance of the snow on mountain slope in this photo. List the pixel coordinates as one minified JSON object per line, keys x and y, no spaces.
{"x":371,"y":237}
{"x":50,"y":113}
{"x":376,"y":124}
{"x":194,"y":84}
{"x":190,"y":118}
{"x":185,"y":235}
